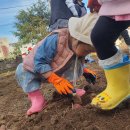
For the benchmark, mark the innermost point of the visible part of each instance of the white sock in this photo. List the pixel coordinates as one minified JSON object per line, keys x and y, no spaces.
{"x":117,"y":58}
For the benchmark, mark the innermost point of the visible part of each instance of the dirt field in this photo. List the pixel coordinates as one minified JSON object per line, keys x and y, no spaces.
{"x":58,"y":115}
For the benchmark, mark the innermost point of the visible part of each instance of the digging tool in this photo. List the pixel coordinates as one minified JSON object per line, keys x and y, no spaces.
{"x":75,"y":98}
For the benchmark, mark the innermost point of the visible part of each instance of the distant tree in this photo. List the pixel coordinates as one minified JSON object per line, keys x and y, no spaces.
{"x":16,"y":51}
{"x":32,"y":24}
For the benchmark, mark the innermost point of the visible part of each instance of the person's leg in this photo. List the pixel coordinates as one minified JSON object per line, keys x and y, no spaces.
{"x":38,"y":102}
{"x":105,"y":33}
{"x":30,"y":84}
{"x":118,"y":86}
{"x":125,"y":34}
{"x":126,"y":37}
{"x":115,"y":65}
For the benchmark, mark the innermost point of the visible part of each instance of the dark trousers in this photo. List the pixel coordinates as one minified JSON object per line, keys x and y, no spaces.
{"x":105,"y":33}
{"x":126,"y":37}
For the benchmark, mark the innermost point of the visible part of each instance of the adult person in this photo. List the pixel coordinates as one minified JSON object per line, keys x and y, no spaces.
{"x":61,"y":11}
{"x":81,"y":7}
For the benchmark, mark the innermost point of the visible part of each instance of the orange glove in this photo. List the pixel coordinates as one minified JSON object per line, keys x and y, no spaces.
{"x":62,"y":85}
{"x":89,"y":71}
{"x":89,"y":75}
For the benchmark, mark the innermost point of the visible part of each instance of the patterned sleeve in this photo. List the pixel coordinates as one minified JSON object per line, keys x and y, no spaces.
{"x":70,"y":4}
{"x":45,"y":54}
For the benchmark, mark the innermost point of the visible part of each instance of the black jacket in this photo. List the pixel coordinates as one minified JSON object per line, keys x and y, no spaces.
{"x":59,"y":10}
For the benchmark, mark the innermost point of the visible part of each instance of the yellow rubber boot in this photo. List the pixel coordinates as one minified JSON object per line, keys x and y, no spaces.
{"x":117,"y":90}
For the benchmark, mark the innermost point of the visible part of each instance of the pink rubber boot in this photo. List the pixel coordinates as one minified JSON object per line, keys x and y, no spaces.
{"x":38,"y":102}
{"x":80,"y":92}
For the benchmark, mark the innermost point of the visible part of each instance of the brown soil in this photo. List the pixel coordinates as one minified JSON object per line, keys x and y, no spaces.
{"x":58,"y":115}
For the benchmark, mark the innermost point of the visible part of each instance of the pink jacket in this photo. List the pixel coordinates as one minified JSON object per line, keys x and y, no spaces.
{"x":115,"y":8}
{"x":64,"y":53}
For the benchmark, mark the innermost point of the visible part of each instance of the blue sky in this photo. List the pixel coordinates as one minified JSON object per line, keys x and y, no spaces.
{"x":8,"y":10}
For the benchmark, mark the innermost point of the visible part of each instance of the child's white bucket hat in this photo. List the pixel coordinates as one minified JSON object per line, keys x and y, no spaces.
{"x":81,"y":28}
